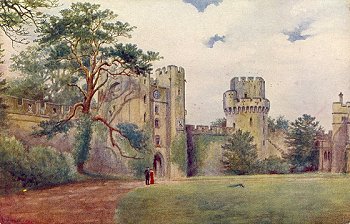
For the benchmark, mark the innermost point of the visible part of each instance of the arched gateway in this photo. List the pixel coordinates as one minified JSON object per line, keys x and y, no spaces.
{"x":158,"y":165}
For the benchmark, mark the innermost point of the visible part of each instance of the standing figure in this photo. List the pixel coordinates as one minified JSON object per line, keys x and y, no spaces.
{"x":147,"y":173}
{"x":151,"y":174}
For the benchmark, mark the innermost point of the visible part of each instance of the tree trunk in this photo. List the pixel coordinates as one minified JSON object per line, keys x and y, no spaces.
{"x":80,"y":168}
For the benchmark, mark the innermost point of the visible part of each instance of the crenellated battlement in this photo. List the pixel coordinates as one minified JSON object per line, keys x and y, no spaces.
{"x":169,"y":69}
{"x":247,"y":79}
{"x":210,"y":130}
{"x":254,"y":105}
{"x":35,"y":108}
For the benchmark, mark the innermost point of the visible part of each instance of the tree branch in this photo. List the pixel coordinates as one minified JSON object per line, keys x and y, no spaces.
{"x":80,"y":89}
{"x":111,"y":130}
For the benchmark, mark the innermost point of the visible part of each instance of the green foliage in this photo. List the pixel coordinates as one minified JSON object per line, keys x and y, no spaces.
{"x":302,"y":154}
{"x":137,"y":138}
{"x":39,"y":166}
{"x":220,"y":122}
{"x":50,"y":167}
{"x":16,"y":14}
{"x":239,"y":153}
{"x":201,"y":143}
{"x":42,"y":78}
{"x":82,"y":144}
{"x":141,"y":141}
{"x":279,"y":124}
{"x":179,"y":152}
{"x":52,"y":127}
{"x":272,"y":165}
{"x":84,"y":24}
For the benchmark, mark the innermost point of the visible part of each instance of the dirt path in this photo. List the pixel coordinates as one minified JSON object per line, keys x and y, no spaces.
{"x":87,"y":202}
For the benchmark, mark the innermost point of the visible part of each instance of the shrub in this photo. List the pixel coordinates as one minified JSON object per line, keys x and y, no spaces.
{"x":39,"y":166}
{"x":49,"y":166}
{"x":272,"y":165}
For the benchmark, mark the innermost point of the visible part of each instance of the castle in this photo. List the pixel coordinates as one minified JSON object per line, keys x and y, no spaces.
{"x":155,"y":104}
{"x":246,"y":108}
{"x":334,"y":147}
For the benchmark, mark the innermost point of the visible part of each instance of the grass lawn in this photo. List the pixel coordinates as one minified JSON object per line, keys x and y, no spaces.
{"x":303,"y":198}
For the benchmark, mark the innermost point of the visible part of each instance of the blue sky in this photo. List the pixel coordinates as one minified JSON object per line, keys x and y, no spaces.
{"x":300,"y":47}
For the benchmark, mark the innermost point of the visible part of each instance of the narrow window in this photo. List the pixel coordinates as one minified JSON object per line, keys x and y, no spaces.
{"x":144,"y":117}
{"x":245,"y":95}
{"x":264,"y":142}
{"x":329,"y":156}
{"x":178,"y":92}
{"x":30,"y":110}
{"x":54,"y":110}
{"x":156,"y":123}
{"x":156,"y":109}
{"x":157,"y":140}
{"x":325,"y":156}
{"x":144,"y":98}
{"x":234,"y":125}
{"x":251,"y":122}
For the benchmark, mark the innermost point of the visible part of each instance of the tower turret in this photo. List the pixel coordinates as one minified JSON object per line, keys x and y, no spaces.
{"x":246,"y":108}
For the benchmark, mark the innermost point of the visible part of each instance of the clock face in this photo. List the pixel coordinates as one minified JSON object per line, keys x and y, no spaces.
{"x":156,"y":94}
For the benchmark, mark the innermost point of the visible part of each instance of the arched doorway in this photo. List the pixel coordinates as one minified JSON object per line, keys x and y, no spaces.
{"x":158,"y":165}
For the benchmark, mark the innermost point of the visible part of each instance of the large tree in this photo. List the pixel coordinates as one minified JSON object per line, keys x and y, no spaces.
{"x":88,"y":39}
{"x":42,"y":78}
{"x":278,"y":124}
{"x":302,"y":154}
{"x":239,"y":153}
{"x":16,"y":15}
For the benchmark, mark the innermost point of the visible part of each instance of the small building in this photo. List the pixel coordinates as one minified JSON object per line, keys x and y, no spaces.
{"x":334,"y":147}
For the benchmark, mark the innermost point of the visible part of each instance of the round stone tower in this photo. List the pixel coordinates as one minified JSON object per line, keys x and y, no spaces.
{"x":246,"y":108}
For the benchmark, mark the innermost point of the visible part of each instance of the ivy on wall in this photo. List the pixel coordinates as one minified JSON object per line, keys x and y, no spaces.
{"x":179,"y":152}
{"x":202,"y":146}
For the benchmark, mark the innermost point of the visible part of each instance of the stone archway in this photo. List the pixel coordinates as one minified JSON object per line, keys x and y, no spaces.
{"x":158,"y":165}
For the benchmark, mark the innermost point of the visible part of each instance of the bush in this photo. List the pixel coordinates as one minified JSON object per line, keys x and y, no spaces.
{"x":40,"y":166}
{"x":272,"y":165}
{"x":50,"y":167}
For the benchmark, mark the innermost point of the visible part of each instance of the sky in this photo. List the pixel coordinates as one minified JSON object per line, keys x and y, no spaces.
{"x":300,"y":47}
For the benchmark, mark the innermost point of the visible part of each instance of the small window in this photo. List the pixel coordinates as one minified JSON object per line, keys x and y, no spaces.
{"x":157,"y":140}
{"x":30,"y":110}
{"x":263,"y":142}
{"x":325,"y":157}
{"x":245,"y":95}
{"x":144,"y":117}
{"x":54,"y":110}
{"x":19,"y":101}
{"x":251,"y":121}
{"x":156,"y":123}
{"x":144,"y":81}
{"x":178,"y":92}
{"x":234,"y":125}
{"x":156,"y":109}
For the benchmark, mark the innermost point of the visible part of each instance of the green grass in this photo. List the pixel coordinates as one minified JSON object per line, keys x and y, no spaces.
{"x":307,"y":198}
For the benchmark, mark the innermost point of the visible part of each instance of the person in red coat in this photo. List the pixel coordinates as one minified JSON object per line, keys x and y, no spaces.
{"x":151,"y":175}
